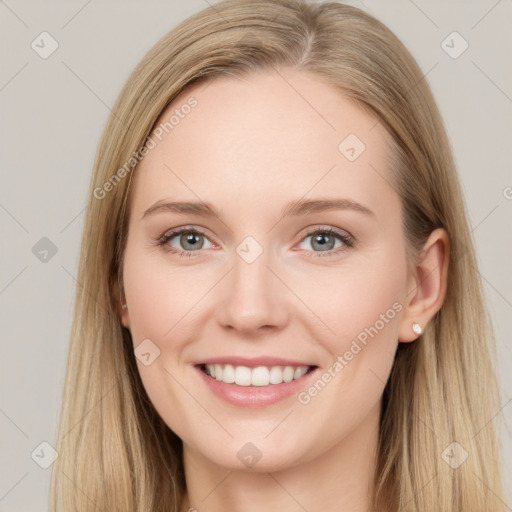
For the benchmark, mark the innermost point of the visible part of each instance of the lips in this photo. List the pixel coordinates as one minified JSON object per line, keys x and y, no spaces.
{"x":255,"y":386}
{"x":257,"y":381}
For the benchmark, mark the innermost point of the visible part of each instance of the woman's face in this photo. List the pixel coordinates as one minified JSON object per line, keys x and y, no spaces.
{"x":275,"y":279}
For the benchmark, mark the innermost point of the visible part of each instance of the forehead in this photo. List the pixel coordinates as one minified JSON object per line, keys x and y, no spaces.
{"x":272,"y":136}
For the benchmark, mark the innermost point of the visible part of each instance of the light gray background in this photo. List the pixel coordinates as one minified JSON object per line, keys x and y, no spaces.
{"x":53,"y":112}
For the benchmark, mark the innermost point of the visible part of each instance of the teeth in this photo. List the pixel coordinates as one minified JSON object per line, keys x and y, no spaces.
{"x":259,"y":376}
{"x":300,"y":372}
{"x":228,"y":374}
{"x":288,"y":373}
{"x":243,"y":376}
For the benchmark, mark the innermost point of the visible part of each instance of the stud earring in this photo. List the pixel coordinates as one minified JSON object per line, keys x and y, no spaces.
{"x":417,"y":328}
{"x":124,"y":306}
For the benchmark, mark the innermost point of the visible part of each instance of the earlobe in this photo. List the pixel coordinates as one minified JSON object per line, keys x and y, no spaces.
{"x":123,"y":307}
{"x":427,"y":287}
{"x":417,"y":328}
{"x":125,"y":317}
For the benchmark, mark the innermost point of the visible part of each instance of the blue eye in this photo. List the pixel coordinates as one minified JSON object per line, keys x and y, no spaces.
{"x":191,"y":240}
{"x":325,"y":240}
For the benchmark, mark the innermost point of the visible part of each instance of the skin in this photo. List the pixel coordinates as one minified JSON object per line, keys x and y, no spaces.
{"x":249,"y":147}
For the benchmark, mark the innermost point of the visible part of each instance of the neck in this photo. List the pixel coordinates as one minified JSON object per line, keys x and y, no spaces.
{"x":339,"y":478}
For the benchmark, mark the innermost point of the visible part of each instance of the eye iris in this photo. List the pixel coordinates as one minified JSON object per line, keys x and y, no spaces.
{"x":188,"y":238}
{"x":321,"y":239}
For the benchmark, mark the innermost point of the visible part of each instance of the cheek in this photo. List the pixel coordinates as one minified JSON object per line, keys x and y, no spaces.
{"x":357,"y":308}
{"x":158,"y":298}
{"x":159,"y":295}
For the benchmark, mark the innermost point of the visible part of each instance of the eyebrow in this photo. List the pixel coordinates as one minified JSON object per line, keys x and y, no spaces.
{"x":294,"y":208}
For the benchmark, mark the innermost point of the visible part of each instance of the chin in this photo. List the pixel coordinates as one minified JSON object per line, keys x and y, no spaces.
{"x":256,"y":457}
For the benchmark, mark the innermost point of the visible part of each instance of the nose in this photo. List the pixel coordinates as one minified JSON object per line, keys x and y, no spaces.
{"x":253,"y":297}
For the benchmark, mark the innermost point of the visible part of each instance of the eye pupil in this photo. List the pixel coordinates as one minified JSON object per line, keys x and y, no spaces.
{"x":189,"y":239}
{"x":323,"y":240}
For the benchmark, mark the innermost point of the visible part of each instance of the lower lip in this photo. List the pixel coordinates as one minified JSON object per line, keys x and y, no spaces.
{"x":255,"y":396}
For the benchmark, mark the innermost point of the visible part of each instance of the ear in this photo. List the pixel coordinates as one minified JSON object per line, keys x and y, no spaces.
{"x":122,"y":307}
{"x":426,"y":286}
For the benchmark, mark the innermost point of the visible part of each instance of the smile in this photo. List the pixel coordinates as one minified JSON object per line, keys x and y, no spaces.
{"x":257,"y":376}
{"x":255,"y":381}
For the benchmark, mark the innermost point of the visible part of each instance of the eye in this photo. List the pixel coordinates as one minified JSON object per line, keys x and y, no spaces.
{"x":324,"y":240}
{"x":184,"y":241}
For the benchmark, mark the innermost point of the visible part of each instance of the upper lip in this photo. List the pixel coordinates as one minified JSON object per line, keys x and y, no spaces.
{"x":252,"y":362}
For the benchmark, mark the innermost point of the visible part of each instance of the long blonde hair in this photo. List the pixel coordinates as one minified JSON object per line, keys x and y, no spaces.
{"x":115,"y":452}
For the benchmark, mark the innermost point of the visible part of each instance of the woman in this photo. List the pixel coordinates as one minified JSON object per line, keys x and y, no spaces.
{"x":278,"y":298}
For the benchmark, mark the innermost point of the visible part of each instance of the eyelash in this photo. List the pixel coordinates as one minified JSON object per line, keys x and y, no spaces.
{"x":347,"y":240}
